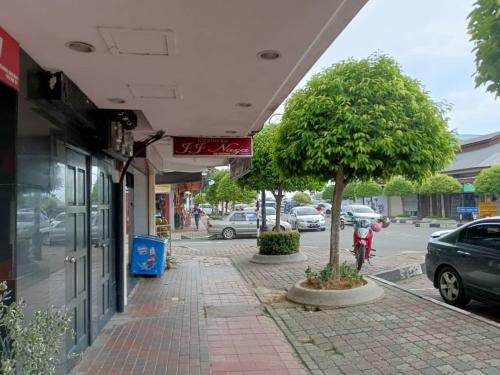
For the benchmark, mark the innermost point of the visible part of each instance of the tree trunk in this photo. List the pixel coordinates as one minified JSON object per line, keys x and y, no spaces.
{"x":335,"y":227}
{"x":279,"y":198}
{"x":263,"y":227}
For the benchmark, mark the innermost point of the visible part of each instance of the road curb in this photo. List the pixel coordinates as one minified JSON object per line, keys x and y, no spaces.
{"x":436,"y":225}
{"x":402,"y":273}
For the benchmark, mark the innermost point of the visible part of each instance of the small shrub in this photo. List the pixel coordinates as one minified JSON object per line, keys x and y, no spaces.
{"x":29,"y":347}
{"x":326,"y":278}
{"x":215,"y":217}
{"x":279,"y":243}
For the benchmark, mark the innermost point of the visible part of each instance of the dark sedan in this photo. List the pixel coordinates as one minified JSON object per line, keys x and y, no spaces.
{"x":464,"y":264}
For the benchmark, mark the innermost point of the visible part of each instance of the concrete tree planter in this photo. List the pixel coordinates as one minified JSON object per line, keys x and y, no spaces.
{"x":278,"y":259}
{"x":278,"y":247}
{"x":327,"y":298}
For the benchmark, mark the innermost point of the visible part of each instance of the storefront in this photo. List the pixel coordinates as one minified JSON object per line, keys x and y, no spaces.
{"x":57,"y":204}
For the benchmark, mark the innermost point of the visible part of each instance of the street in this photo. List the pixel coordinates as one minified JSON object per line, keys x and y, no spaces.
{"x":394,"y":240}
{"x":398,"y":241}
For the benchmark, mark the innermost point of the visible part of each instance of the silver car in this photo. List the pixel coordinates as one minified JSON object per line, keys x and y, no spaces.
{"x":361,"y":212}
{"x":306,"y":218}
{"x":238,"y":224}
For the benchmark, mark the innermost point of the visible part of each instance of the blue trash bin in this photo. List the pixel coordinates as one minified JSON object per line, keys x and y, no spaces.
{"x":149,"y":255}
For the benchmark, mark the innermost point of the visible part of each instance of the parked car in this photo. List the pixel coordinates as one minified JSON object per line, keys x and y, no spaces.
{"x":306,"y":217}
{"x":240,"y":207}
{"x":440,"y":233}
{"x":206,"y":208}
{"x":325,"y":208}
{"x":361,"y":212}
{"x":239,"y":224}
{"x":464,"y":263}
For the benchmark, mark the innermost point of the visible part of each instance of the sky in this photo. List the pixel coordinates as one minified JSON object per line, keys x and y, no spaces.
{"x":429,"y":39}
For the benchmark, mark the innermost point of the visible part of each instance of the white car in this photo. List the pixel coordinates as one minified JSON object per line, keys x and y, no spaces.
{"x":306,"y":218}
{"x":361,"y":212}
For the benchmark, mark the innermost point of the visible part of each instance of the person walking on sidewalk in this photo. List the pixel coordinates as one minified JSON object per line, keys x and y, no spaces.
{"x":197,"y":213}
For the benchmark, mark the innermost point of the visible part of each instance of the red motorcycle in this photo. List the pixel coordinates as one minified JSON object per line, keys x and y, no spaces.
{"x":363,"y":236}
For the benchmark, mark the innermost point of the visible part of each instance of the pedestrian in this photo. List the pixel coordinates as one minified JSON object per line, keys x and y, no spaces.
{"x":197,"y":213}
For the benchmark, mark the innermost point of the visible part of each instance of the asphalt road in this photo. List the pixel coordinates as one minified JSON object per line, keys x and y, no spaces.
{"x":393,"y":240}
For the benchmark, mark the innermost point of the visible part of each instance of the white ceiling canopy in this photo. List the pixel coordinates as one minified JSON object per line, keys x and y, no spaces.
{"x":187,"y":65}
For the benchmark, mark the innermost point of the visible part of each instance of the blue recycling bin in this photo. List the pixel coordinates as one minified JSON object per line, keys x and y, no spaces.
{"x":149,"y":255}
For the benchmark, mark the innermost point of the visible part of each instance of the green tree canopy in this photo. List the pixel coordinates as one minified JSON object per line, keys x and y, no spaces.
{"x":301,"y":198}
{"x":265,"y":174}
{"x":200,"y":198}
{"x":484,"y":28}
{"x":398,"y":186}
{"x":350,"y":190}
{"x":488,"y":180}
{"x":211,"y":190}
{"x":327,"y":193}
{"x":367,"y":189}
{"x":229,"y":191}
{"x":361,"y":120}
{"x":440,"y":184}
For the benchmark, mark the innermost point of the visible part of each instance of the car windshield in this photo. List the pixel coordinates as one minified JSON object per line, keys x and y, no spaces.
{"x":270,"y":211}
{"x":363,"y":210}
{"x":306,"y":211}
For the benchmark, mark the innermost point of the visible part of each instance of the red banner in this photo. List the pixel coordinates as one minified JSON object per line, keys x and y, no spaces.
{"x":9,"y":60}
{"x":206,"y":147}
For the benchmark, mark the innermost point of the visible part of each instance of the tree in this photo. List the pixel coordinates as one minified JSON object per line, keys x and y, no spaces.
{"x":361,"y":120}
{"x":440,"y":184}
{"x":398,"y":186}
{"x":265,"y":174}
{"x":229,"y":191}
{"x":301,"y":198}
{"x":216,"y":176}
{"x":488,"y":181}
{"x":484,"y":28}
{"x":368,"y":189}
{"x":327,"y":193}
{"x":200,"y":198}
{"x":349,"y":191}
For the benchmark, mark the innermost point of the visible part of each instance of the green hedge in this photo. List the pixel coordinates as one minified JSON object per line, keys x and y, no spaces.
{"x":279,"y":243}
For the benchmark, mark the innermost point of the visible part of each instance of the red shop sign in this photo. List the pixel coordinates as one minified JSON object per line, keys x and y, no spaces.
{"x":9,"y":60}
{"x":205,"y":147}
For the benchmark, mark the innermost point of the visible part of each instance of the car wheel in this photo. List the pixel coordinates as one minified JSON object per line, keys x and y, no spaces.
{"x":323,"y":229}
{"x":451,"y":288}
{"x":328,"y":212}
{"x":228,"y":233}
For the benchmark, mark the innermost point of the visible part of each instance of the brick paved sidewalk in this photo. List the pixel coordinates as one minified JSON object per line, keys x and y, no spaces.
{"x":190,"y":231}
{"x":200,"y":318}
{"x":398,"y":334}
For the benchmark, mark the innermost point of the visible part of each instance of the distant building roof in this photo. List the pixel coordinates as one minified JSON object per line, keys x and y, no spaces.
{"x":477,"y":153}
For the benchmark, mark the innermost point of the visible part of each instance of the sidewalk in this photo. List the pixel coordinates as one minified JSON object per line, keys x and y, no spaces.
{"x":204,"y":317}
{"x":199,"y":318}
{"x":190,"y":231}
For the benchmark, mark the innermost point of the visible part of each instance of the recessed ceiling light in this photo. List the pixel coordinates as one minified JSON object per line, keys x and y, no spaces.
{"x":80,"y":46}
{"x":269,"y":55}
{"x":116,"y":100}
{"x":231,"y":132}
{"x":244,"y":104}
